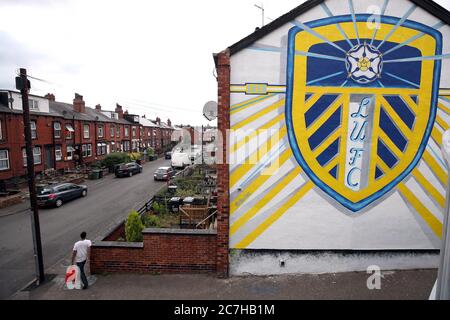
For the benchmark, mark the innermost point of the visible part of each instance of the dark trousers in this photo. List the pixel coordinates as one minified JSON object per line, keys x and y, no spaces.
{"x":82,"y":274}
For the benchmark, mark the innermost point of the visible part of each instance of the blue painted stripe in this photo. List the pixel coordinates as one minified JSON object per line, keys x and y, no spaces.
{"x":329,"y":153}
{"x":333,"y":172}
{"x":386,"y":155}
{"x":319,"y":108}
{"x":378,"y":173}
{"x":391,"y":130}
{"x":328,"y":128}
{"x":402,"y":110}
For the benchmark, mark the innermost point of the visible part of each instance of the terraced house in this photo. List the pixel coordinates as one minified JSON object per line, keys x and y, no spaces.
{"x":69,"y":135}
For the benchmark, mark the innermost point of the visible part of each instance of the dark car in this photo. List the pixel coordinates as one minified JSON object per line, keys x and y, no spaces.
{"x":56,"y":195}
{"x":128,"y":169}
{"x":164,"y":173}
{"x":168,"y":155}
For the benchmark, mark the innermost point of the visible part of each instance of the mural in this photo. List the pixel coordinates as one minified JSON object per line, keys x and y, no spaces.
{"x":345,"y":119}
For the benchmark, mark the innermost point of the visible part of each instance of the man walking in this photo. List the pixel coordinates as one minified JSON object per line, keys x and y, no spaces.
{"x":80,"y":254}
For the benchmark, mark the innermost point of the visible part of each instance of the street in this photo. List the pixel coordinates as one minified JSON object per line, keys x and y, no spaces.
{"x":108,"y":199}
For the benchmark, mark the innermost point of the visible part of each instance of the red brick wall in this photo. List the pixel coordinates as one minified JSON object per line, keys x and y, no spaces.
{"x":223,"y":203}
{"x":180,"y":251}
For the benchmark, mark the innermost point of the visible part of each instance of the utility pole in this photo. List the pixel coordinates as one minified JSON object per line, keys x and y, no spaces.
{"x":203,"y":161}
{"x":23,"y":85}
{"x":261,"y":7}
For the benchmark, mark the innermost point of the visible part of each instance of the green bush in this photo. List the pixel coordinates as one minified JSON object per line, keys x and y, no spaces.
{"x":150,"y":151}
{"x":134,"y":227}
{"x":151,"y":221}
{"x":135,"y":156}
{"x":113,"y":159}
{"x":158,"y":208}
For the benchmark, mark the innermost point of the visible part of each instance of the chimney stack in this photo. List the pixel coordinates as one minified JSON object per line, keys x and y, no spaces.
{"x":158,"y":120}
{"x":119,"y":110}
{"x":79,"y":104}
{"x":126,"y":112}
{"x":98,"y":107}
{"x":50,"y":96}
{"x":169,"y":123}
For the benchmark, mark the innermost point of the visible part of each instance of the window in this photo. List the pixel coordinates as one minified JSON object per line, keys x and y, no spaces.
{"x":118,"y":131}
{"x":101,"y":149}
{"x":126,"y":145}
{"x":69,"y":130}
{"x":33,"y":104}
{"x":70,"y":151}
{"x":86,"y":131}
{"x":133,"y":130}
{"x":36,"y":156}
{"x":58,"y":153}
{"x":127,"y":133}
{"x":33,"y":130}
{"x":57,"y":129}
{"x":4,"y":160}
{"x":100,"y":131}
{"x":86,"y":150}
{"x":111,"y":131}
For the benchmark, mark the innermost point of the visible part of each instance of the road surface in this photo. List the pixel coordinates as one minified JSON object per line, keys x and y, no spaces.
{"x":108,"y":200}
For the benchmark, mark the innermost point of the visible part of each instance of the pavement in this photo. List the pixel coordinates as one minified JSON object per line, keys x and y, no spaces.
{"x":109,"y":199}
{"x":404,"y":285}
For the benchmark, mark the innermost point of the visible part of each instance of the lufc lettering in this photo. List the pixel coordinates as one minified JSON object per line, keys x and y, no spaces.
{"x":356,"y":143}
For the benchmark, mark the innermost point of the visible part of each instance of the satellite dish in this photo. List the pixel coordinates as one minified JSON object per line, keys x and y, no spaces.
{"x":210,"y":110}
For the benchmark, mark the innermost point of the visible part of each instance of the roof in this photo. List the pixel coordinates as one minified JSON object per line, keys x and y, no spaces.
{"x":147,"y":123}
{"x":428,"y":5}
{"x":4,"y":109}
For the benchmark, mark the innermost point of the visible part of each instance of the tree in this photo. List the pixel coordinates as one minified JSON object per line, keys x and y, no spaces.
{"x":134,"y":227}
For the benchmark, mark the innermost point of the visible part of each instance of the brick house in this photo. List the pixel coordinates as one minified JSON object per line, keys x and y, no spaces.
{"x":67,"y":135}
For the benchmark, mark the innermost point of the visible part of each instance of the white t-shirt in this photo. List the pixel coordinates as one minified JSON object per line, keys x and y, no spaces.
{"x":81,"y":247}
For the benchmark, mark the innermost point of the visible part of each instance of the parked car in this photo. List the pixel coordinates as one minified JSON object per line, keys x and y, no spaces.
{"x":56,"y":195}
{"x":128,"y":169}
{"x":180,"y":160}
{"x":168,"y":155}
{"x":164,"y":173}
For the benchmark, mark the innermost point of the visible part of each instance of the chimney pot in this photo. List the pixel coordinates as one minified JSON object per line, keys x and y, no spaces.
{"x":98,"y":107}
{"x":79,"y":104}
{"x":50,"y":96}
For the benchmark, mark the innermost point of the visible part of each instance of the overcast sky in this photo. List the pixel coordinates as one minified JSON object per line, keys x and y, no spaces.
{"x":153,"y":57}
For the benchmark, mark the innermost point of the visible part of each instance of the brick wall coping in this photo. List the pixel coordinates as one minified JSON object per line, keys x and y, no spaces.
{"x":118,"y":244}
{"x":179,"y":231}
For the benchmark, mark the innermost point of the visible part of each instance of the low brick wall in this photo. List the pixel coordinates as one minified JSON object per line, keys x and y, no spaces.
{"x":10,"y":200}
{"x":163,"y":250}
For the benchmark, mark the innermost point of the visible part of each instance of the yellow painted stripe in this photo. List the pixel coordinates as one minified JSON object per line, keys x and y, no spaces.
{"x":382,"y":165}
{"x":430,"y":189}
{"x":275,"y":216}
{"x":361,"y":90}
{"x":324,"y":117}
{"x":264,"y":201}
{"x":329,"y":141}
{"x":255,"y":133}
{"x":258,"y":182}
{"x":444,"y":92}
{"x":434,"y":166}
{"x":444,"y":125}
{"x":376,"y":129}
{"x":248,"y":103}
{"x":311,"y":101}
{"x":410,"y":102}
{"x":437,"y":136}
{"x":394,"y":116}
{"x":256,"y":156}
{"x":259,"y":114}
{"x":391,"y":145}
{"x":426,"y":215}
{"x":444,"y":108}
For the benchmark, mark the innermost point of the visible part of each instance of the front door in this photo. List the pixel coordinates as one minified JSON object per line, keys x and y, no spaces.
{"x":49,"y":158}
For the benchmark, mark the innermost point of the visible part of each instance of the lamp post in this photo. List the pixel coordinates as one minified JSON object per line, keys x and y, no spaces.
{"x":443,"y":281}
